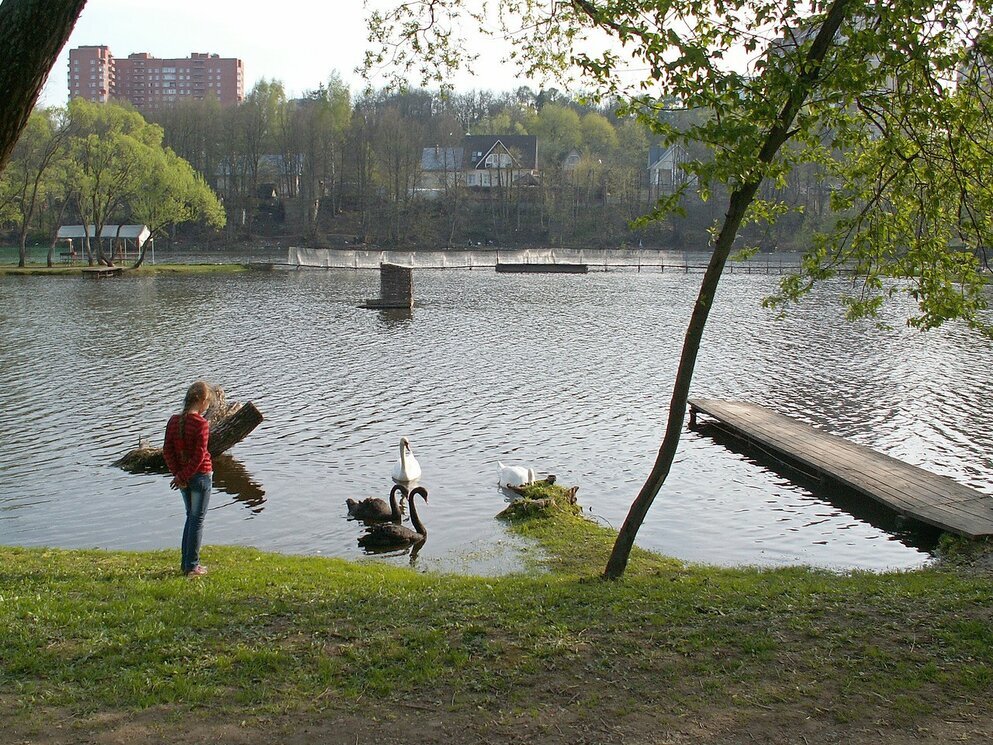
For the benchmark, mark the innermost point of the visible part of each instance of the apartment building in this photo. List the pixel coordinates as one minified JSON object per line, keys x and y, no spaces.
{"x":151,"y":83}
{"x":91,"y":73}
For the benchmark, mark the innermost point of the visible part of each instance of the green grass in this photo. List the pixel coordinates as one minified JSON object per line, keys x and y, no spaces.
{"x":35,"y":254}
{"x":147,"y":269}
{"x":37,"y":258}
{"x":144,"y":271}
{"x":88,"y":631}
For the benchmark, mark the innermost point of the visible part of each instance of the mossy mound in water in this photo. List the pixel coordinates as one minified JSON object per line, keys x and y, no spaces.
{"x":542,"y":498}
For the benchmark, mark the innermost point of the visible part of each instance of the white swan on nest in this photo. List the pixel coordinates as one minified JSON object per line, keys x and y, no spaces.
{"x":406,"y":469}
{"x":515,"y":475}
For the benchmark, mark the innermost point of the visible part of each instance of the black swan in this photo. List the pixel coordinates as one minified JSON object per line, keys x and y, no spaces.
{"x":374,"y":508}
{"x":390,"y":535}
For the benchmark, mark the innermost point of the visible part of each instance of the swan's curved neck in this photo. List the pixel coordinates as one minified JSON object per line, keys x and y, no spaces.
{"x":403,"y":454}
{"x":394,"y":507}
{"x":414,"y":519}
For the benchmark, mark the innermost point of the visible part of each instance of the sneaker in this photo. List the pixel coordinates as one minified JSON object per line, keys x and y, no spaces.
{"x":198,"y":571}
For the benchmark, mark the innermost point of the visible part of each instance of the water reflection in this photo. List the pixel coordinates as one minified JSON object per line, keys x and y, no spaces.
{"x":392,"y":318}
{"x":410,"y":551}
{"x":847,"y":503}
{"x":569,"y":373}
{"x":232,"y":477}
{"x":393,"y":537}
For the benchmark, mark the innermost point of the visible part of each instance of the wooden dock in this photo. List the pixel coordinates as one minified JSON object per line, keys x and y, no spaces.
{"x":102,"y":271}
{"x":906,"y":489}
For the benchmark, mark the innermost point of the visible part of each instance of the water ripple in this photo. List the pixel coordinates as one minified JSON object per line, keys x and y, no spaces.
{"x":569,"y":374}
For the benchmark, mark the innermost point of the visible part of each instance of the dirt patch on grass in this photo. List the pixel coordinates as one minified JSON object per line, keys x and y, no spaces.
{"x":548,"y":724}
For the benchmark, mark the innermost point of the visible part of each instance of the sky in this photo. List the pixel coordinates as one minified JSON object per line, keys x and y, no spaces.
{"x":299,"y":42}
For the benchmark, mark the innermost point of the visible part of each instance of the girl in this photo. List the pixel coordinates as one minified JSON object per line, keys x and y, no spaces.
{"x":186,"y":455}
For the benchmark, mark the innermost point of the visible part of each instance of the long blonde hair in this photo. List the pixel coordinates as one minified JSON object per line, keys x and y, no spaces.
{"x":196,"y":395}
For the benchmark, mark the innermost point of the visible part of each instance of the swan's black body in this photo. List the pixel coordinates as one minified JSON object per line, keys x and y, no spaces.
{"x":375,"y":509}
{"x":392,"y":535}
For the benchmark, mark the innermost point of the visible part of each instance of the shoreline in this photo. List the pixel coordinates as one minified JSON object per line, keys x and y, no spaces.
{"x":118,"y":646}
{"x":143,"y":271}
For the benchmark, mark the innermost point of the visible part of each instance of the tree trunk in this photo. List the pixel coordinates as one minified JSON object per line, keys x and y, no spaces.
{"x":32,"y":33}
{"x":741,"y":198}
{"x":233,"y":428}
{"x":22,"y":242}
{"x":141,"y":255}
{"x":227,"y":429}
{"x":55,"y":232}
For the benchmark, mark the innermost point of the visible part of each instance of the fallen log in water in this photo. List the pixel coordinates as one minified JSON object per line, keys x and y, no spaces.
{"x":229,"y":425}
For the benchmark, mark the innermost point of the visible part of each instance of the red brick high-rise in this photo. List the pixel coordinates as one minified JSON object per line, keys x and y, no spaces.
{"x":150,"y":83}
{"x":91,"y":73}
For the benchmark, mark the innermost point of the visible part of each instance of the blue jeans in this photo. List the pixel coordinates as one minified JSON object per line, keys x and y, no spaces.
{"x":196,"y":495}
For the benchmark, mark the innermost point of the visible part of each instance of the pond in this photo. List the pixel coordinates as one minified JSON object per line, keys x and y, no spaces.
{"x":569,"y":374}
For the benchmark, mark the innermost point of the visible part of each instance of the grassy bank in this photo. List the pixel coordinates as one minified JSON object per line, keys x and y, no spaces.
{"x":289,"y":642}
{"x":143,"y":271}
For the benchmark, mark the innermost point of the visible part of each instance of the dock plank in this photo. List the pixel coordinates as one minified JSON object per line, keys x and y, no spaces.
{"x":102,"y":271}
{"x":907,"y":489}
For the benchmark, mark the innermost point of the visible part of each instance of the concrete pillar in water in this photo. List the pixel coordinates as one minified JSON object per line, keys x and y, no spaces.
{"x":396,"y":287}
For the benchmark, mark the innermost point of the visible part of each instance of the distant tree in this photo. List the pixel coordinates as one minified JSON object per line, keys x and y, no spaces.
{"x":499,"y":123}
{"x":32,"y":33}
{"x":171,"y":193}
{"x":324,"y":119}
{"x":470,"y":107}
{"x":559,"y":129}
{"x":287,"y":135}
{"x":631,"y":160}
{"x":30,"y":169}
{"x":598,"y":135}
{"x":109,"y":149}
{"x":398,"y":144}
{"x":251,"y":135}
{"x":359,"y":164}
{"x":120,"y":168}
{"x":194,"y":129}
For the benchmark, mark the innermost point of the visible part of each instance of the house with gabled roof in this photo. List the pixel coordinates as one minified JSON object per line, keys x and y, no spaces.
{"x":441,"y":170}
{"x":482,"y":162}
{"x":665,"y":174}
{"x":500,"y":160}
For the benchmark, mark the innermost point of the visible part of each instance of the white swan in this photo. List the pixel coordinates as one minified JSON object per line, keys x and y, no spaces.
{"x":515,"y":475}
{"x":406,"y":469}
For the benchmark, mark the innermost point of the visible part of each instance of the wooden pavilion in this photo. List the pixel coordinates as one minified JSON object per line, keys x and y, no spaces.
{"x":120,"y":242}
